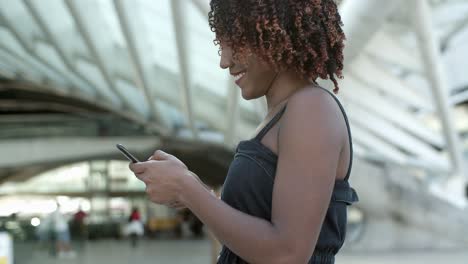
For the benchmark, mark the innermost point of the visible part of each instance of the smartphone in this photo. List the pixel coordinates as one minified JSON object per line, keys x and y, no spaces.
{"x":127,"y":153}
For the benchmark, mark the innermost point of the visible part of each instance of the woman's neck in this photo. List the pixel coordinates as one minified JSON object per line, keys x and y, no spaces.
{"x":285,"y":84}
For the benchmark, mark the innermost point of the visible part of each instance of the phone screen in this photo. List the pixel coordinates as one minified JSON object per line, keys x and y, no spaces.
{"x":126,"y":153}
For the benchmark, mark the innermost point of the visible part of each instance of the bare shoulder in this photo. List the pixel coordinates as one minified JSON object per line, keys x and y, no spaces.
{"x":312,"y":98}
{"x":312,"y":119}
{"x":312,"y":129}
{"x":314,"y":105}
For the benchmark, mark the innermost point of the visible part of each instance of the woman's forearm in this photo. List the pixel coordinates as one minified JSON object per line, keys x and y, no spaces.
{"x":253,"y":239}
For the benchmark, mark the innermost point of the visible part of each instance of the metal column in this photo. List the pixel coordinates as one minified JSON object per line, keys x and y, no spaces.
{"x":140,"y":78}
{"x":180,"y":31}
{"x":361,"y":20}
{"x":435,"y":72}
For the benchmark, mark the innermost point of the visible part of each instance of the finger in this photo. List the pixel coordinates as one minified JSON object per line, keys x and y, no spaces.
{"x":160,"y":155}
{"x":137,"y":168}
{"x":178,"y":208}
{"x":142,"y":177}
{"x":175,"y":205}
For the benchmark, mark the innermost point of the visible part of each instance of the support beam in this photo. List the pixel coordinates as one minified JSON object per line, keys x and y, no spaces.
{"x":140,"y":76}
{"x":27,"y":152}
{"x":361,"y":20}
{"x":39,"y":60}
{"x":359,"y":94}
{"x":400,"y":195}
{"x":50,"y":38}
{"x":395,"y":136}
{"x":31,"y":66}
{"x":386,"y":48}
{"x":180,"y":32}
{"x":435,"y":72}
{"x":83,"y":30}
{"x":213,"y":110}
{"x":13,"y":70}
{"x":459,"y":98}
{"x":202,"y":7}
{"x":6,"y":72}
{"x":37,"y":105}
{"x":8,"y":69}
{"x":377,"y":150}
{"x":377,"y":146}
{"x":24,"y":119}
{"x":24,"y":173}
{"x":456,"y":29}
{"x":372,"y":73}
{"x":72,"y":83}
{"x":104,"y":105}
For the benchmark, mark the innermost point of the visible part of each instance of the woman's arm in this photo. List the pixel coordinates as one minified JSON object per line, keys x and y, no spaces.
{"x":252,"y":238}
{"x":309,"y":148}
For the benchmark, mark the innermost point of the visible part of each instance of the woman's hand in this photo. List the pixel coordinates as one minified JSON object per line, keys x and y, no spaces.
{"x":157,"y":156}
{"x":163,"y":175}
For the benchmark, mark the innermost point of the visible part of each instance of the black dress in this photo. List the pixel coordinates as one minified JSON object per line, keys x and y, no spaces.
{"x":249,"y":187}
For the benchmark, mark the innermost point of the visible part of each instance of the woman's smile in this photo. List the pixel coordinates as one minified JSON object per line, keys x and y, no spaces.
{"x":238,"y":77}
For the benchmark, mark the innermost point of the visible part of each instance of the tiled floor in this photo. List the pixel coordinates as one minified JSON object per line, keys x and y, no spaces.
{"x":198,"y":252}
{"x":121,"y":252}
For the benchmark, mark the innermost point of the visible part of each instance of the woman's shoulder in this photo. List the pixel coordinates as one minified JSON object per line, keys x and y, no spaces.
{"x":312,"y":100}
{"x":311,"y":115}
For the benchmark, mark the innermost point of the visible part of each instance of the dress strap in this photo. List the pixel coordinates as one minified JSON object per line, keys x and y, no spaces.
{"x":278,"y":115}
{"x":349,"y":132}
{"x":270,"y":124}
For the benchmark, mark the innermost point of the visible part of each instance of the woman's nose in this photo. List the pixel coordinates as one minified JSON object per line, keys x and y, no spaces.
{"x":226,"y":59}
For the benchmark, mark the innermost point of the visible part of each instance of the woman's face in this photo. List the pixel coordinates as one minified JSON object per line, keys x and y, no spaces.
{"x":254,"y":78}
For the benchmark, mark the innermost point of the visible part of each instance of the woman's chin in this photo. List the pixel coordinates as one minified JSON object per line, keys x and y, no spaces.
{"x":243,"y":95}
{"x":247,"y":94}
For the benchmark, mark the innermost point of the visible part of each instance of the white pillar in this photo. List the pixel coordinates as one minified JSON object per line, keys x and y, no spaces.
{"x":180,"y":27}
{"x":430,"y":47}
{"x":140,"y":78}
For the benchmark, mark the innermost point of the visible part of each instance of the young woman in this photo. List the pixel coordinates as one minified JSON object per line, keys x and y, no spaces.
{"x":285,"y":196}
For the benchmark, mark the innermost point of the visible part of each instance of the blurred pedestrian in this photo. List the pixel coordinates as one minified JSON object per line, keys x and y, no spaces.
{"x":62,"y":234}
{"x":134,"y":228}
{"x":79,"y":224}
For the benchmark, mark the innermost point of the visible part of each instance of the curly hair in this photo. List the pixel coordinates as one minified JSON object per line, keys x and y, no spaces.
{"x":303,"y":35}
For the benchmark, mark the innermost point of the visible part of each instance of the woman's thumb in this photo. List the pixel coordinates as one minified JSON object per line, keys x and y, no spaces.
{"x":160,"y":155}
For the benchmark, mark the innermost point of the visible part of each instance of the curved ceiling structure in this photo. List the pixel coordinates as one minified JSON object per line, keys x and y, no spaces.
{"x":90,"y":69}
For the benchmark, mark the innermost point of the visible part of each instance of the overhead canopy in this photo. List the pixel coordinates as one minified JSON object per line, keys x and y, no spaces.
{"x":154,"y":63}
